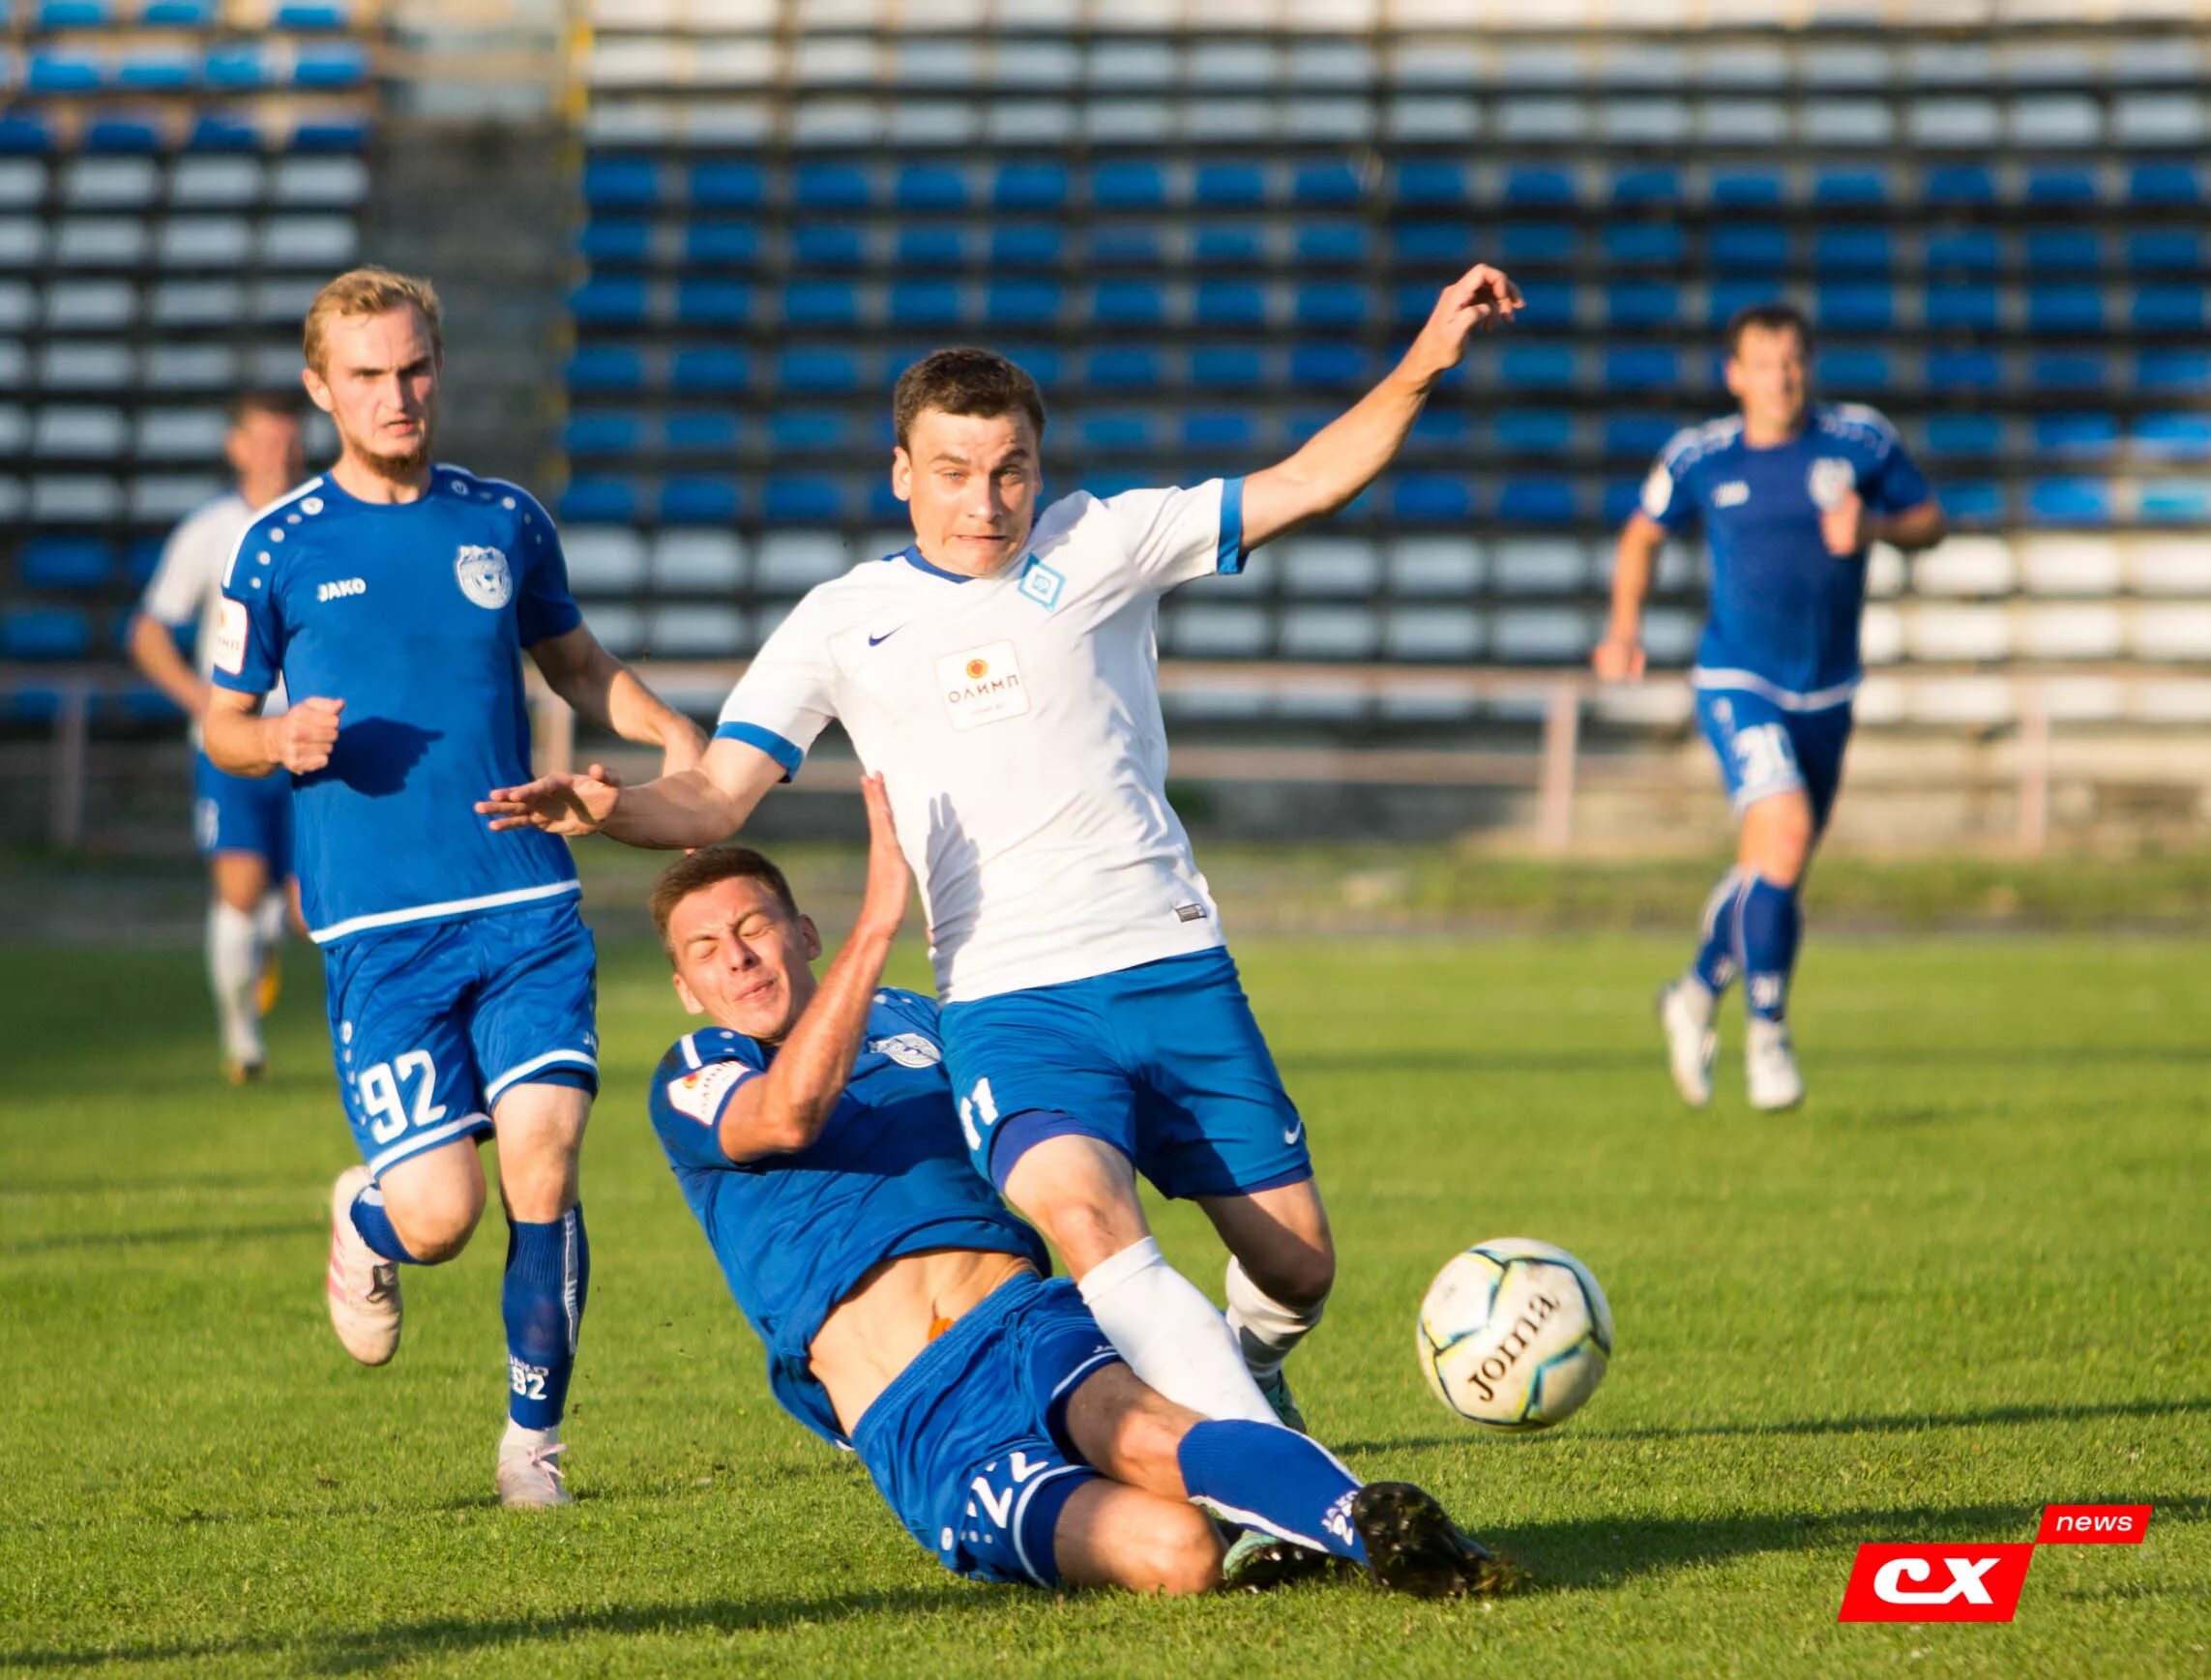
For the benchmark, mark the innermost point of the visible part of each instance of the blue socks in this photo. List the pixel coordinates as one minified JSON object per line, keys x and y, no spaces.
{"x":1715,"y":963}
{"x":549,"y":1271}
{"x":1772,"y":926}
{"x":1266,"y":1477}
{"x":375,"y":1227}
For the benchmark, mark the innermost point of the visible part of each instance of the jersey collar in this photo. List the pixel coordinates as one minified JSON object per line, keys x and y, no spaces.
{"x":911,"y":554}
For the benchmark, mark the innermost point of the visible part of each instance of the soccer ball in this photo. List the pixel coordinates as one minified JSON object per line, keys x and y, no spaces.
{"x":1515,"y":1335}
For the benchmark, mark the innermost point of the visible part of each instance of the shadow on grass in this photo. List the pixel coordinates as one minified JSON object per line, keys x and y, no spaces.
{"x":1863,"y":1424}
{"x":357,"y":1650}
{"x":175,"y":1235}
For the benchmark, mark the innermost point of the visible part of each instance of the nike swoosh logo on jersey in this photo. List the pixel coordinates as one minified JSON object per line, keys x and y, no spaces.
{"x":879,"y":640}
{"x":1295,"y":1132}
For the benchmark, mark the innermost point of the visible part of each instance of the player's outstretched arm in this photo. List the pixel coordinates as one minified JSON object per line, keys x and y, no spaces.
{"x":1346,"y":455}
{"x":785,"y":1108}
{"x":240,"y":740}
{"x":607,"y":694}
{"x":693,"y":807}
{"x":1619,"y":657}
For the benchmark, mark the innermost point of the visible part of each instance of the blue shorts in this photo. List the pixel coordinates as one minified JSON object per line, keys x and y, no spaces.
{"x":432,"y":1021}
{"x":1162,"y":1061}
{"x":243,"y":813}
{"x":969,"y":1442}
{"x":1765,"y":748}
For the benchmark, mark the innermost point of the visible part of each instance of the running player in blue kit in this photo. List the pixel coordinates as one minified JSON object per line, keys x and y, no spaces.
{"x":908,"y":1316}
{"x":1791,"y":494}
{"x":394,"y":598}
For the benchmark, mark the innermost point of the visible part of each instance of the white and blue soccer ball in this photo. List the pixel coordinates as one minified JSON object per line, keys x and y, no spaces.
{"x":1515,"y":1335}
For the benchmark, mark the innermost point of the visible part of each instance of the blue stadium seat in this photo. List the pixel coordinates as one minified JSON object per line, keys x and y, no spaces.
{"x":1838,"y":188}
{"x":1120,"y":428}
{"x":927,"y":303}
{"x":712,"y":302}
{"x":1847,"y":250}
{"x":110,"y":132}
{"x":606,"y":368}
{"x":75,"y":15}
{"x":1636,"y":243}
{"x":2069,"y":370}
{"x":1231,"y":304}
{"x":1621,"y":497}
{"x":2164,"y":249}
{"x":1228,"y":429}
{"x":1021,"y":243}
{"x":929,"y":187}
{"x":1640,"y":304}
{"x":597,"y":500}
{"x":179,"y":14}
{"x":1105,"y":485}
{"x":701,"y":432}
{"x":796,"y":499}
{"x":2077,"y":434}
{"x":1729,"y":297}
{"x":1642,"y":368}
{"x":819,"y":303}
{"x":1963,"y":250}
{"x":736,"y":187}
{"x":58,"y":71}
{"x":1229,"y":244}
{"x":702,"y":371}
{"x":2178,"y":436}
{"x":2173,"y":370}
{"x":23,"y":132}
{"x":1970,"y":434}
{"x":1861,"y":368}
{"x":1963,"y":370}
{"x":1538,"y":366}
{"x":1330,"y":304}
{"x":698,"y":499}
{"x":1022,"y":303}
{"x":1331,"y":243}
{"x":1415,"y":301}
{"x":1540,"y":243}
{"x":331,"y":66}
{"x":2069,"y":501}
{"x":1124,"y":369}
{"x":44,"y":633}
{"x":1529,"y":187}
{"x":1240,"y":185}
{"x":2065,"y":309}
{"x":1128,"y":184}
{"x":1970,"y":307}
{"x":627,"y":242}
{"x":1538,"y":501}
{"x":621,"y":183}
{"x":1430,"y":498}
{"x":2174,"y":502}
{"x":1973,"y":502}
{"x":305,"y":15}
{"x":884,"y":509}
{"x":1041,"y":362}
{"x":1639,"y":435}
{"x":610,"y":301}
{"x":818,"y":371}
{"x":1744,"y":189}
{"x":2077,"y":249}
{"x":1329,"y":182}
{"x":822,"y":186}
{"x":1958,"y":184}
{"x":1534,"y":431}
{"x":721,"y":244}
{"x":2164,"y":183}
{"x":1442,"y":428}
{"x":1427,"y":181}
{"x":837,"y":245}
{"x":1646,"y":183}
{"x":1326,"y":364}
{"x":1442,"y":243}
{"x":1038,"y":185}
{"x":65,"y":563}
{"x":1230,"y":367}
{"x":2167,"y":309}
{"x":2062,"y":184}
{"x":1128,"y":303}
{"x":1750,"y":246}
{"x":602,"y":432}
{"x":330,"y":133}
{"x":141,"y":560}
{"x":221,"y":132}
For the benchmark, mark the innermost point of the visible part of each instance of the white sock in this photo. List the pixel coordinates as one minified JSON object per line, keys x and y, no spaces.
{"x":1171,"y":1336}
{"x":517,"y":1439}
{"x":1265,"y":1329}
{"x":269,"y":918}
{"x":233,"y":972}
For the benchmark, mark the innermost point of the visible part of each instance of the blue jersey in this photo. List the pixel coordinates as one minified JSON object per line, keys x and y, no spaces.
{"x":414,"y":614}
{"x":887,"y":1176}
{"x":1785,"y":611}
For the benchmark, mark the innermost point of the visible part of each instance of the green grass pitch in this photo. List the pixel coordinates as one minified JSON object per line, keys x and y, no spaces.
{"x":1972,"y":1277}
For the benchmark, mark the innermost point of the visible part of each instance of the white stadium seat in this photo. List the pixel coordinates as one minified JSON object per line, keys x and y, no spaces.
{"x":2158,"y":120}
{"x":1323,"y":700}
{"x":2170,"y":565}
{"x":1449,"y":567}
{"x":2068,"y":121}
{"x":1959,"y":632}
{"x":1880,"y":702}
{"x":205,"y":242}
{"x":2083,"y":700}
{"x":604,"y":559}
{"x":697,"y":563}
{"x":101,"y":241}
{"x":1968,"y":702}
{"x":1541,"y":633}
{"x":1680,"y":566}
{"x":23,"y":183}
{"x":1224,"y":121}
{"x":620,"y":629}
{"x":1205,"y":631}
{"x":1742,"y":122}
{"x":1880,"y":635}
{"x":1671,"y":635}
{"x":1645,"y":122}
{"x":282,"y":303}
{"x":91,"y":306}
{"x":191,"y":367}
{"x":1428,"y":61}
{"x":695,"y":632}
{"x":841,"y":123}
{"x":792,"y":562}
{"x":216,"y":183}
{"x":335,"y":182}
{"x":15,"y":428}
{"x":1966,"y":566}
{"x":22,"y":242}
{"x":166,"y":497}
{"x":181,"y":434}
{"x":1645,"y":705}
{"x":1741,"y":64}
{"x":1848,"y":64}
{"x":1329,"y":566}
{"x":1432,"y":117}
{"x":2070,"y":565}
{"x":1538,"y":565}
{"x":19,"y":305}
{"x":628,"y":121}
{"x":109,"y":183}
{"x":1131,"y":64}
{"x":1031,"y":121}
{"x":1540,"y":120}
{"x":67,"y":432}
{"x":1885,"y":573}
{"x":943,"y":123}
{"x":620,"y":61}
{"x":1341,"y":631}
{"x":729,"y":122}
{"x":2188,"y":702}
{"x":89,"y":366}
{"x":1953,"y":121}
{"x":1833,"y":122}
{"x":2172,"y":631}
{"x":2072,"y":631}
{"x":324,"y":242}
{"x":1036,"y":66}
{"x":208,"y":302}
{"x":77,"y":500}
{"x":1435,"y":633}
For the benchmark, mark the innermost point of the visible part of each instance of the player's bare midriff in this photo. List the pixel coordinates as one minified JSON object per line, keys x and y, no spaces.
{"x":898,"y":1307}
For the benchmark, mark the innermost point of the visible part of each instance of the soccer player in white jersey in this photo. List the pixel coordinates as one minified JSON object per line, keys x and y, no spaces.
{"x":243,"y":827}
{"x":1001,"y":675}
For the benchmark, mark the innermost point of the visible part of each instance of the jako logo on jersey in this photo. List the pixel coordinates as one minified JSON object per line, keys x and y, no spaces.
{"x":982,"y":686}
{"x":483,"y":576}
{"x":338,"y":588}
{"x":1831,"y":479}
{"x":907,"y":1049}
{"x":1041,"y":584}
{"x":1732,"y":494}
{"x":1892,"y":1582}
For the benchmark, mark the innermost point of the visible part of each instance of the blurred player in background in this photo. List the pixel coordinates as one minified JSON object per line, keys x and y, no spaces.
{"x":909,"y":1317}
{"x":1791,"y":494}
{"x":394,"y":598}
{"x":244,"y":826}
{"x":1001,"y":673}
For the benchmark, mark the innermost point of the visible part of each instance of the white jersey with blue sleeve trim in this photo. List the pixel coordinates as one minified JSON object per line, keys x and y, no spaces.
{"x":186,"y":589}
{"x":1016,"y":721}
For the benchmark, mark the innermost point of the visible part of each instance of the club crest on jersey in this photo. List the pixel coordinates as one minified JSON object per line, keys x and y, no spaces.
{"x":1832,"y":479}
{"x":907,"y":1049}
{"x":1041,"y":584}
{"x":483,"y":576}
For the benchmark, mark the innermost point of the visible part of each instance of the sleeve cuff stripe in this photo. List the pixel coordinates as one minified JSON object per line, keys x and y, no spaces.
{"x":1229,"y":557}
{"x":784,"y":753}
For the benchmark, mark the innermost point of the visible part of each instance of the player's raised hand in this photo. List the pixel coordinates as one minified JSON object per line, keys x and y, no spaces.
{"x":1481,"y":296}
{"x":890,"y":883}
{"x":1618,"y":659}
{"x":301,"y":739}
{"x":568,"y":804}
{"x":1843,"y":525}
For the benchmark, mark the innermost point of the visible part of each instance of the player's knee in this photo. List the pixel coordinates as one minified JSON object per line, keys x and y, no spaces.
{"x":435,"y":1221}
{"x":1187,"y":1552}
{"x":1298,"y":1275}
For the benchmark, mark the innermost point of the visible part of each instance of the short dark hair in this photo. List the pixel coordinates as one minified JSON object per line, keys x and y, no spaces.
{"x":964,"y":380}
{"x":1771,"y":317}
{"x":697,"y":870}
{"x":287,"y":403}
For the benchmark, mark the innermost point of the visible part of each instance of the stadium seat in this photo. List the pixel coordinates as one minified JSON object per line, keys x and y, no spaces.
{"x":1128,"y":184}
{"x":2082,"y":370}
{"x":1642,"y":368}
{"x":1333,"y":243}
{"x":1443,"y":635}
{"x":2165,"y":184}
{"x":180,"y":434}
{"x":1545,"y":431}
{"x":2069,"y":501}
{"x":2173,"y":502}
{"x":1329,"y":568}
{"x":2172,"y":370}
{"x":2087,"y":435}
{"x":1973,"y":502}
{"x":927,"y":304}
{"x":697,"y":632}
{"x":1539,"y":566}
{"x":606,"y":368}
{"x":1636,"y":305}
{"x":1013,"y":244}
{"x":1430,"y":183}
{"x":830,"y":244}
{"x":2055,"y":630}
{"x":929,"y":187}
{"x":1430,"y":498}
{"x":1855,"y":306}
{"x":1230,"y":186}
{"x":1541,"y":635}
{"x":604,"y":559}
{"x":1326,"y":364}
{"x":1230,"y":367}
{"x":700,"y":431}
{"x":1749,"y":247}
{"x":613,"y":501}
{"x":44,"y":633}
{"x":1644,"y":244}
{"x":1967,"y":566}
{"x":1744,"y":189}
{"x":1958,"y":185}
{"x":1030,"y":186}
{"x":1538,"y":366}
{"x":2163,"y":250}
{"x":65,"y":563}
{"x":604,"y":240}
{"x":1223,"y":429}
{"x":1024,"y":303}
{"x":803,"y":499}
{"x":602,"y":433}
{"x":1639,"y":436}
{"x":698,"y":499}
{"x":1964,"y":434}
{"x":2167,"y":309}
{"x":1330,"y":304}
{"x":2065,"y":309}
{"x":610,"y":301}
{"x":1852,"y":188}
{"x":817,"y":371}
{"x":621,"y":183}
{"x":1971,"y":250}
{"x":722,"y":245}
{"x":1646,"y":184}
{"x":2166,"y":565}
{"x":1120,"y":430}
{"x":1228,"y":244}
{"x":1441,"y":243}
{"x":1125,"y":369}
{"x":695,"y":563}
{"x":1536,"y":244}
{"x":1231,"y":304}
{"x":1962,"y":308}
{"x":814,"y":187}
{"x":2173,"y":437}
{"x":2063,"y":185}
{"x":789,"y":563}
{"x":1331,"y":633}
{"x":1855,"y":368}
{"x":2078,"y":250}
{"x":1436,"y":566}
{"x":1851,"y":250}
{"x":2173,"y":631}
{"x":1957,"y":633}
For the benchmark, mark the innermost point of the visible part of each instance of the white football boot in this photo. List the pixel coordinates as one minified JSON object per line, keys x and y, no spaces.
{"x":530,"y":1475}
{"x":364,"y":1287}
{"x":1685,"y":1011}
{"x":1769,"y":1066}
